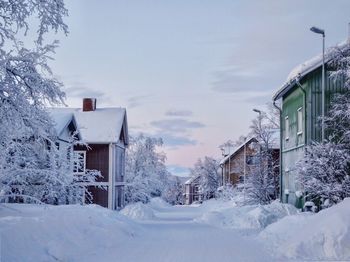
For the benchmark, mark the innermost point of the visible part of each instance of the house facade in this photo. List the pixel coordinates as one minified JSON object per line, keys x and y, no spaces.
{"x":104,"y":132}
{"x":239,"y":162}
{"x":193,"y":191}
{"x":301,"y":109}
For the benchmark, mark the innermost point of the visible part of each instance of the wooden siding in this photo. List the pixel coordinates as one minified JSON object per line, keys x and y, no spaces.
{"x":97,"y":157}
{"x":100,"y":195}
{"x":234,"y":168}
{"x":293,"y":149}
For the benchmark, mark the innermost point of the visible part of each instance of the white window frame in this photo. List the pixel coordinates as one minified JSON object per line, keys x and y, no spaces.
{"x":84,"y":167}
{"x":286,"y":127}
{"x":300,"y":121}
{"x":196,"y":189}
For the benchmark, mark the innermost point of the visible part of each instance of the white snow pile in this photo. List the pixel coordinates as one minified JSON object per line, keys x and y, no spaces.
{"x":60,"y":233}
{"x":316,"y":237}
{"x":158,"y":203}
{"x":253,"y":217}
{"x":138,"y":211}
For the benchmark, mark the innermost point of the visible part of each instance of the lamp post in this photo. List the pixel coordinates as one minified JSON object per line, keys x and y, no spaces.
{"x":226,"y":152}
{"x":259,"y":112}
{"x":244,"y":165}
{"x":321,"y":32}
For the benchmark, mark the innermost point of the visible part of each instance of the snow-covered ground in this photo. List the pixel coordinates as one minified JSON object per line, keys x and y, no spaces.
{"x":214,"y":231}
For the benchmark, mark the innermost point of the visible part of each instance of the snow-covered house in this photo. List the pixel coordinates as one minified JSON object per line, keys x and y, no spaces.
{"x":301,"y":109}
{"x":236,"y":163}
{"x":66,"y":128}
{"x":242,"y":160}
{"x":105,"y":131}
{"x":192,"y":190}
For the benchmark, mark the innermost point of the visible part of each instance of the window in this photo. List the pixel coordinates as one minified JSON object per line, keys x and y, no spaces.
{"x":79,"y":162}
{"x":196,"y":189}
{"x":286,"y":126}
{"x":252,"y":160}
{"x":300,"y":121}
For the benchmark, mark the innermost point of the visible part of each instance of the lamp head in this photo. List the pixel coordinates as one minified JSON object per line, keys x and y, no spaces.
{"x":317,"y":30}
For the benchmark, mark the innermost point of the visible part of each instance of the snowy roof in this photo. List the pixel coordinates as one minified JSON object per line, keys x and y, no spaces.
{"x":189,"y":181}
{"x":236,"y":150}
{"x":305,"y":68}
{"x":61,"y":120}
{"x":103,"y":125}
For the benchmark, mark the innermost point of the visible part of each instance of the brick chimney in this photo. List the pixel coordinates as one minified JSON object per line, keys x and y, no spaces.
{"x":89,"y":104}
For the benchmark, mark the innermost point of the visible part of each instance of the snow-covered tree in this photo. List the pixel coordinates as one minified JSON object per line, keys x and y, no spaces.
{"x":207,"y":170}
{"x":146,"y":173}
{"x":261,"y":185}
{"x":324,"y":173}
{"x":173,"y":192}
{"x":31,"y":167}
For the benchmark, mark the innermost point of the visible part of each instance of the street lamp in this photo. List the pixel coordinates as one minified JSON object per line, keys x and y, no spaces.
{"x":259,"y":112}
{"x":321,"y":32}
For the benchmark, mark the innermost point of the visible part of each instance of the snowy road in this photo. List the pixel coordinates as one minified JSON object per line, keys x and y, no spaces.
{"x":158,"y":232}
{"x":174,"y":236}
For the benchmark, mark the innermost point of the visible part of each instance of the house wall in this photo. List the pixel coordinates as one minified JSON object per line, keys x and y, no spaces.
{"x":97,"y":158}
{"x":234,"y":168}
{"x":311,"y":104}
{"x":191,"y":194}
{"x":118,"y":175}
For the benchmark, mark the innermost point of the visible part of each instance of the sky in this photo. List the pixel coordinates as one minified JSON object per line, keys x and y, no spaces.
{"x":190,"y":71}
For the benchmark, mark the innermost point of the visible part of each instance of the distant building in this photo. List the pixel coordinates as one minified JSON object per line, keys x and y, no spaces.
{"x":243,"y":161}
{"x":238,"y":162}
{"x":105,"y":130}
{"x":193,"y":190}
{"x":301,"y":107}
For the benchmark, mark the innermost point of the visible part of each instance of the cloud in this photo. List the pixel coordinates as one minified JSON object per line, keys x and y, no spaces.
{"x":178,"y":170}
{"x":179,"y":113}
{"x":259,"y":99}
{"x":233,"y":79}
{"x":173,"y":141}
{"x":170,"y":141}
{"x":136,"y":101}
{"x":176,"y":125}
{"x":83,"y":91}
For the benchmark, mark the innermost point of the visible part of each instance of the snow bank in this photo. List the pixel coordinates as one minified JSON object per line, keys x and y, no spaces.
{"x":254,"y":217}
{"x":60,"y":233}
{"x":321,"y":236}
{"x":138,"y":211}
{"x":157,"y":203}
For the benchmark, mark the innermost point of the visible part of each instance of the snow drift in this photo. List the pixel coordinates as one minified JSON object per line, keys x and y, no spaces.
{"x":138,"y":211}
{"x":253,"y":217}
{"x":158,"y":203}
{"x":60,"y":233}
{"x":321,"y":236}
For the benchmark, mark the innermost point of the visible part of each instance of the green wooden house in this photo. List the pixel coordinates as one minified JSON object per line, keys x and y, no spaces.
{"x":301,"y":109}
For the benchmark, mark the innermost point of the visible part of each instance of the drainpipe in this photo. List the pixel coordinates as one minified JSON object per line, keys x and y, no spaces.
{"x":222,"y":174}
{"x":305,"y":103}
{"x":280,"y":153}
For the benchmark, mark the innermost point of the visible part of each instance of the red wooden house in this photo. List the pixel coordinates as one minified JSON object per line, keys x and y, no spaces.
{"x":105,"y":130}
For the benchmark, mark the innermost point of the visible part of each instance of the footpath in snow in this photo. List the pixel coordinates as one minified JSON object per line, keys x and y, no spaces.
{"x":214,"y":231}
